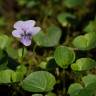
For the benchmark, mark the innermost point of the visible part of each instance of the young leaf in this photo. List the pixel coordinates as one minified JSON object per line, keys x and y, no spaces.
{"x":83,"y":64}
{"x":89,"y":79}
{"x":74,"y":89}
{"x":64,"y":56}
{"x":63,"y":18}
{"x":50,"y":38}
{"x":85,"y":42}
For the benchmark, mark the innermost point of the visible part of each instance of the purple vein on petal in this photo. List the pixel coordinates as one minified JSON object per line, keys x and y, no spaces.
{"x":26,"y":40}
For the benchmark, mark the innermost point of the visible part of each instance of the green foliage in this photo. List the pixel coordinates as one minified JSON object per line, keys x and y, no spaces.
{"x":63,"y":18}
{"x":64,"y":56}
{"x":4,"y":41}
{"x":74,"y":89}
{"x":20,"y":72}
{"x":88,"y":90}
{"x":91,"y":27}
{"x":10,"y":76}
{"x":68,"y":27}
{"x":12,"y":52}
{"x":89,"y":79}
{"x":50,"y":38}
{"x":6,"y":76}
{"x":85,"y":42}
{"x":83,"y":64}
{"x":20,"y":52}
{"x":40,"y":81}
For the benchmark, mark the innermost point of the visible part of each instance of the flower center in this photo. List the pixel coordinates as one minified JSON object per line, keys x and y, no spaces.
{"x":26,"y":35}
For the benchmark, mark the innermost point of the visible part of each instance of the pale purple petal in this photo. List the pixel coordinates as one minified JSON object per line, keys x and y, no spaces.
{"x":26,"y":41}
{"x":19,"y":24}
{"x":17,"y":33}
{"x":34,"y":30}
{"x":28,"y":25}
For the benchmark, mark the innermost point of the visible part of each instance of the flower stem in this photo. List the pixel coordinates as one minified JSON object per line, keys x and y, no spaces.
{"x":21,"y":60}
{"x":22,"y":52}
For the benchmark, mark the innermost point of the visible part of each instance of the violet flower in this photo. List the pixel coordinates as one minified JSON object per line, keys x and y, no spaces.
{"x":24,"y":30}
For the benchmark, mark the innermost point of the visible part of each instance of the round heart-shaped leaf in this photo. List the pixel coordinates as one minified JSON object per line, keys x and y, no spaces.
{"x":91,"y":39}
{"x":48,"y":39}
{"x":83,"y":64}
{"x":63,"y":18}
{"x":40,"y":81}
{"x":90,"y":85}
{"x":74,"y":89}
{"x":80,"y":42}
{"x":89,"y":79}
{"x":88,"y":89}
{"x":86,"y":42}
{"x":64,"y":56}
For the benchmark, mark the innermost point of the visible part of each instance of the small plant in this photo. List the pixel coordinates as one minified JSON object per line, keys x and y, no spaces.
{"x":51,"y":50}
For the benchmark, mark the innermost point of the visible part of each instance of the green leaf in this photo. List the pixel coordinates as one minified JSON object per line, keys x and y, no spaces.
{"x":50,"y":38}
{"x":89,"y":89}
{"x":63,"y":18}
{"x":6,"y":76}
{"x":85,"y":42}
{"x":89,"y":79}
{"x":74,"y":89}
{"x":83,"y":64}
{"x":13,"y":53}
{"x":91,"y":27}
{"x":74,"y":3}
{"x":40,"y":81}
{"x":80,"y":42}
{"x":64,"y":56}
{"x":10,"y":76}
{"x":91,"y":40}
{"x":20,"y":72}
{"x":4,"y":41}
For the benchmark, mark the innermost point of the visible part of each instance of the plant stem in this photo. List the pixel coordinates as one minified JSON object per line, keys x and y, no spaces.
{"x":22,"y":52}
{"x":30,"y":65}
